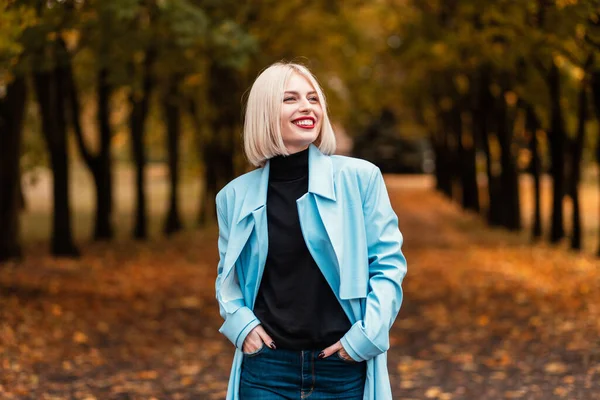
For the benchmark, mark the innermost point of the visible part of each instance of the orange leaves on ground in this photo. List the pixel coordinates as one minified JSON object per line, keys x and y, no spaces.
{"x":486,"y":314}
{"x":80,"y":337}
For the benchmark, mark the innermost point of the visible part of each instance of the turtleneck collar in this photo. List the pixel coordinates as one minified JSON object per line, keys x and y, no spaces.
{"x":289,"y":168}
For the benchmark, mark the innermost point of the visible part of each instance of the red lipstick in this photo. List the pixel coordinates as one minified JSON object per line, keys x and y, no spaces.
{"x":305,"y":122}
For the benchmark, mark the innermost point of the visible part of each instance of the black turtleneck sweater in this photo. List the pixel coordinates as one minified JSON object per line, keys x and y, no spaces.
{"x":295,"y":304}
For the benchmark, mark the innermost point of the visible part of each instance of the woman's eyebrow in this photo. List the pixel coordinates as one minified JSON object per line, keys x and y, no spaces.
{"x":296,"y":93}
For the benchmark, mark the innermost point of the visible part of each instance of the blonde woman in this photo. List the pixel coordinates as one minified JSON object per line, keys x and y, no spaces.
{"x":310,"y":271}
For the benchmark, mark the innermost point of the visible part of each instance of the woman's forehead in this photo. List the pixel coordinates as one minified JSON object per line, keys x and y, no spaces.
{"x":298,"y":82}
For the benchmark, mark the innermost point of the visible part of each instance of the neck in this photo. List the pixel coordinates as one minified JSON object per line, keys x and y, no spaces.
{"x":287,"y":168}
{"x":296,"y":149}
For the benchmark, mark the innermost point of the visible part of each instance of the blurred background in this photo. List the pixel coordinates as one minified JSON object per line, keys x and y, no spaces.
{"x":120,"y":120}
{"x":130,"y":112}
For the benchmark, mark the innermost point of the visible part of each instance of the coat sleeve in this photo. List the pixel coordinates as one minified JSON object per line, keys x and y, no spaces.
{"x":369,"y":337}
{"x":239,"y":319}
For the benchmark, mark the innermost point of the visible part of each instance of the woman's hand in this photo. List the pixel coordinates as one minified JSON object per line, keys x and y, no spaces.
{"x":336,"y":348}
{"x":255,"y":339}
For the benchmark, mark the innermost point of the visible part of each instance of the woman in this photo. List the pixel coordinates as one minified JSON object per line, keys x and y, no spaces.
{"x":310,"y":271}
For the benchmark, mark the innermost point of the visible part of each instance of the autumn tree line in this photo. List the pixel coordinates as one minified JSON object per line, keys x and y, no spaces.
{"x":171,"y":59}
{"x":517,"y":82}
{"x":481,"y":79}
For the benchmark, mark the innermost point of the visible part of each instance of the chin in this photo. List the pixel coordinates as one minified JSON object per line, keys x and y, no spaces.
{"x":300,"y":143}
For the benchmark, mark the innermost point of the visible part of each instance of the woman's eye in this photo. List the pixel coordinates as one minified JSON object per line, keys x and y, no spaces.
{"x":314,"y":98}
{"x":288,"y":98}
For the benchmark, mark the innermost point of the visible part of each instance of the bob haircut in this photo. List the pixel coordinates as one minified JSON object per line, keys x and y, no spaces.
{"x":262,"y":121}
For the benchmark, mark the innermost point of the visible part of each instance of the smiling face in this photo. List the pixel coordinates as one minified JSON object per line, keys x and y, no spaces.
{"x":301,"y":114}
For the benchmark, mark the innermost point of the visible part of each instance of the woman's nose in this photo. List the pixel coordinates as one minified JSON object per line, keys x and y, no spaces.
{"x":305,"y":106}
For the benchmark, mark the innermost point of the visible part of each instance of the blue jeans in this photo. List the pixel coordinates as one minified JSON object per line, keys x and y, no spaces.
{"x":294,"y":375}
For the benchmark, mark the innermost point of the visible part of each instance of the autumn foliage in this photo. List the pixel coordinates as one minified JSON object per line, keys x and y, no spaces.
{"x":485,"y":316}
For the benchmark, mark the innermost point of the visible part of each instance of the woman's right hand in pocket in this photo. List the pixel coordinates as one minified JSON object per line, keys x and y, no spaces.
{"x":255,"y":339}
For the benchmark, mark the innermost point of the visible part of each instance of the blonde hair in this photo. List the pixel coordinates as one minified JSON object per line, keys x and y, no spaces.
{"x":262,"y":121}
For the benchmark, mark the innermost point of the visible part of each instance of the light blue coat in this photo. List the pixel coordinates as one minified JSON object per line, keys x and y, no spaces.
{"x":351,"y":232}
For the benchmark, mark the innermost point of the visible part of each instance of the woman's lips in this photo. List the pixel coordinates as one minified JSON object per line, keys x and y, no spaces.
{"x":304,"y":122}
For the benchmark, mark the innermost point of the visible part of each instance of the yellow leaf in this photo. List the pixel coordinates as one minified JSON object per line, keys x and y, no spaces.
{"x":192,"y":369}
{"x":186,"y":381}
{"x":555,"y":368}
{"x":561,"y":391}
{"x":102,"y":326}
{"x":56,"y":310}
{"x":80,"y":337}
{"x":406,"y":384}
{"x":149,"y":375}
{"x":498,"y":376}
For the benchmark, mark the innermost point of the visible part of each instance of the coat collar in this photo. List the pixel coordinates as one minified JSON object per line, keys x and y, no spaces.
{"x":320,"y":182}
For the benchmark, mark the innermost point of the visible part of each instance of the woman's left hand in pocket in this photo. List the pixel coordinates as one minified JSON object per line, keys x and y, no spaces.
{"x":334,"y":348}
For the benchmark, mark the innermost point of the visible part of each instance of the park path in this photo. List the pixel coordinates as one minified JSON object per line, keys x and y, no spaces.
{"x":485,"y":316}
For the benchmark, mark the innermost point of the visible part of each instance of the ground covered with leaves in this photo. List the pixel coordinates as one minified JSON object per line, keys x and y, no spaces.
{"x":485,"y":316}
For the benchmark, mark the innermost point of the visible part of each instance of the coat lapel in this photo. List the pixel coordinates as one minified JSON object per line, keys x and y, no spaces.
{"x":321,"y":185}
{"x":250,"y":215}
{"x":262,"y":238}
{"x":253,"y":200}
{"x":253,"y":215}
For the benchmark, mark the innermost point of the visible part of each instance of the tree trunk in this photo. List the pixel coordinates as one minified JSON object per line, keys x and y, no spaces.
{"x":225,"y":92}
{"x":451,"y":158}
{"x":98,"y":164}
{"x":532,"y":125}
{"x":598,"y":162}
{"x":219,"y":149}
{"x":203,"y":210}
{"x":139,"y":112}
{"x":509,"y":177}
{"x":494,"y":206}
{"x":104,"y":180}
{"x":439,"y":142}
{"x":557,"y":144}
{"x":466,"y":162}
{"x":442,"y":161}
{"x":211,"y":184}
{"x":12,"y":108}
{"x":576,"y":159}
{"x":22,"y":201}
{"x":595,"y":84}
{"x":173,"y":123}
{"x":51,"y":91}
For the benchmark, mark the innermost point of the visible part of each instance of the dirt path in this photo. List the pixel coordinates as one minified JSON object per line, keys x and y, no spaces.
{"x":485,"y":316}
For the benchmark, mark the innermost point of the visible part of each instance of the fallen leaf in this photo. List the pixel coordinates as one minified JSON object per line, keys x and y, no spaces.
{"x":80,"y":337}
{"x":555,"y":368}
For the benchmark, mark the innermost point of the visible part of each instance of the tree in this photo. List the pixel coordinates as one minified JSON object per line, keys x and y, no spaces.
{"x":100,"y":36}
{"x":48,"y":58}
{"x":182,"y":33}
{"x":12,"y":108}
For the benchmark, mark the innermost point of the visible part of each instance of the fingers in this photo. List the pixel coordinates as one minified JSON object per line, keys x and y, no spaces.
{"x":253,"y":341}
{"x":344,"y":354}
{"x":265,"y":337}
{"x":331,"y":350}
